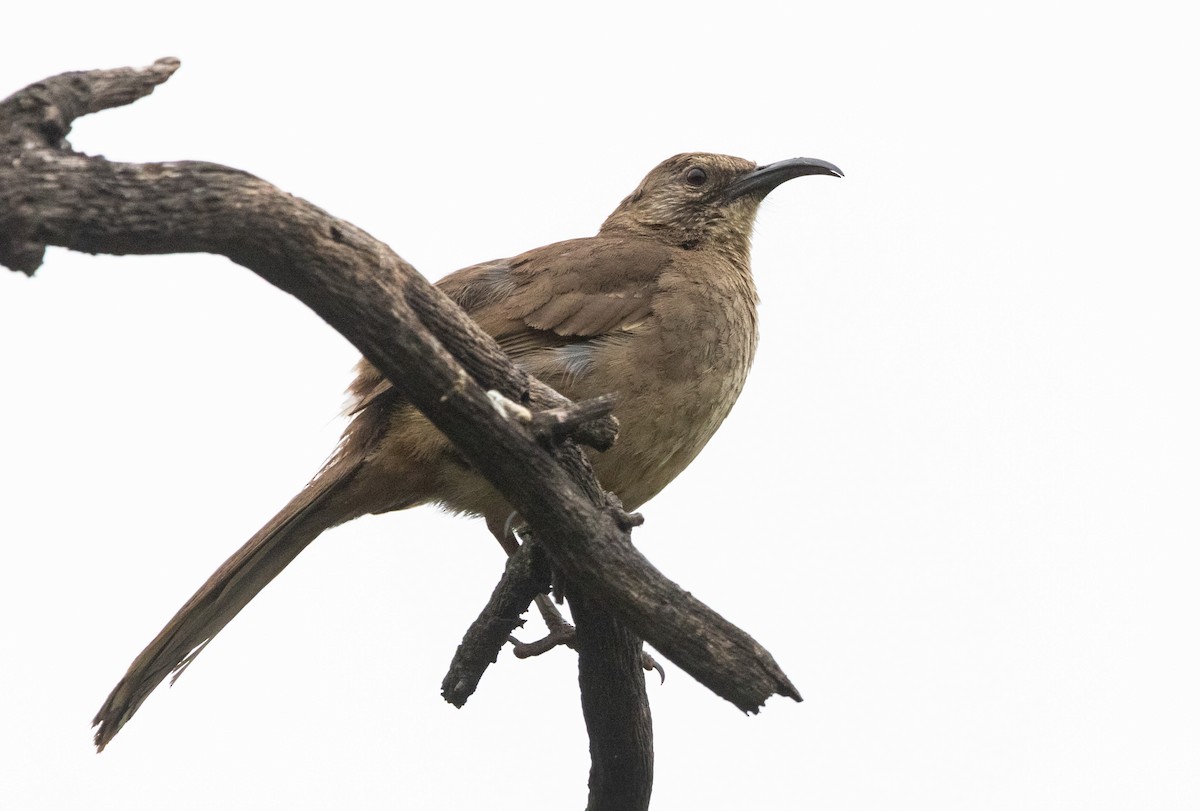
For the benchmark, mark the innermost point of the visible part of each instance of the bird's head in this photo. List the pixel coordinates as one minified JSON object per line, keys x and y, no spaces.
{"x":698,"y":200}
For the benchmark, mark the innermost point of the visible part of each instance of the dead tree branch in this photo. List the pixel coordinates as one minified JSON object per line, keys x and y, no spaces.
{"x":440,"y":359}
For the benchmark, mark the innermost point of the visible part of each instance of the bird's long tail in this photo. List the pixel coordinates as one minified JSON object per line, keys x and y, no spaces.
{"x":330,"y":499}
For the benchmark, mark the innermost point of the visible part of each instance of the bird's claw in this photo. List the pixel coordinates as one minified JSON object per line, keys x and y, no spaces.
{"x":650,"y":663}
{"x":563,"y":635}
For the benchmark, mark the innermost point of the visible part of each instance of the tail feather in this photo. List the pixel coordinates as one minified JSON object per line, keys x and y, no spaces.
{"x":326,"y":502}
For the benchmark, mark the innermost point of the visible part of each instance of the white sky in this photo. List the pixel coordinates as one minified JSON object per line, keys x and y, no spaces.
{"x":957,"y":500}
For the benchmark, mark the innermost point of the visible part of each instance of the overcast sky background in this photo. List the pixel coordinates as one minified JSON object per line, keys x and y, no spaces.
{"x":957,"y":500}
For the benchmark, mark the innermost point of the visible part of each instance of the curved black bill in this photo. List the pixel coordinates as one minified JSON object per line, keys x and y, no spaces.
{"x":761,"y":180}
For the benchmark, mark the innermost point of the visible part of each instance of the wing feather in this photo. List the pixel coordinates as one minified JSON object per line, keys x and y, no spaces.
{"x":573,"y":292}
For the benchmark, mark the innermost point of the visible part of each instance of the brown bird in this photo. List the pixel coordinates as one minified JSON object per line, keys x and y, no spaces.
{"x":659,"y":307}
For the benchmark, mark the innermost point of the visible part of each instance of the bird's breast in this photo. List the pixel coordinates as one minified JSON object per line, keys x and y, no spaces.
{"x":677,"y":376}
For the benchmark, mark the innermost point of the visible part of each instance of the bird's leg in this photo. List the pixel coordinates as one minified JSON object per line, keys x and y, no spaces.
{"x":560,"y":632}
{"x":504,"y":533}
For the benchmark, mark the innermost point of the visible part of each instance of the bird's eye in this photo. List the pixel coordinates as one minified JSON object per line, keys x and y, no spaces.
{"x":696,"y":176}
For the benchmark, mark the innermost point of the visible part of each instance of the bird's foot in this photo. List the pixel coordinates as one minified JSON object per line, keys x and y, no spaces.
{"x":562,"y":632}
{"x":559,"y":636}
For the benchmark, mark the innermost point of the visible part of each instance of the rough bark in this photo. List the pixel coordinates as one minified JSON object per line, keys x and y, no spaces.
{"x":617,"y":717}
{"x":526,"y":576}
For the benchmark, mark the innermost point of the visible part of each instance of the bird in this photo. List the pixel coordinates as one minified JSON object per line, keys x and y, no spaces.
{"x":659,"y":307}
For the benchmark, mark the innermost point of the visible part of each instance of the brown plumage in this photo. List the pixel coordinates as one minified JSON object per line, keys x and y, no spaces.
{"x":659,"y":307}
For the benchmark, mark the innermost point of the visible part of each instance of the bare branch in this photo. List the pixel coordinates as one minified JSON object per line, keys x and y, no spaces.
{"x":526,"y":576}
{"x":43,"y":113}
{"x":581,"y":422}
{"x":440,"y":359}
{"x":410,"y":331}
{"x":612,"y":685}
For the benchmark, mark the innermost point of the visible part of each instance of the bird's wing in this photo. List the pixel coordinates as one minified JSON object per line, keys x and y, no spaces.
{"x":562,"y":295}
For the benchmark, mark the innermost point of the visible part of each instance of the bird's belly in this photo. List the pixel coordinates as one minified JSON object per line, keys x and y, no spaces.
{"x":664,"y":425}
{"x":667,"y":412}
